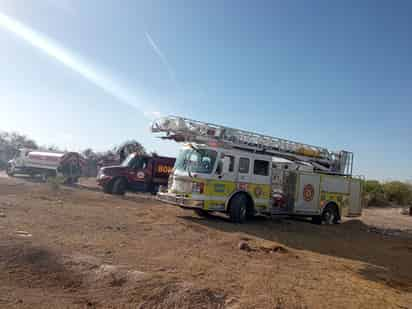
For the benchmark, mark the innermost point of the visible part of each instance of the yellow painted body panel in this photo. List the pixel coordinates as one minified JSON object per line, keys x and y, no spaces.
{"x":218,"y":192}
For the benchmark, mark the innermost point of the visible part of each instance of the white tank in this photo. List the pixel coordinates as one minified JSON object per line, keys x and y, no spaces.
{"x":43,"y":159}
{"x":34,"y":162}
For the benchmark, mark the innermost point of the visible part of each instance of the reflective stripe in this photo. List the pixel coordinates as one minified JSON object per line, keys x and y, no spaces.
{"x":261,"y":201}
{"x":201,"y":197}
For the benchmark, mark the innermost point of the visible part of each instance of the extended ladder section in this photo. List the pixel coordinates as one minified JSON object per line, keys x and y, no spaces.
{"x":182,"y":129}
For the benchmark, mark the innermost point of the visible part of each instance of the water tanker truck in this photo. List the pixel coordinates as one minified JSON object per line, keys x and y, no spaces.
{"x":47,"y":164}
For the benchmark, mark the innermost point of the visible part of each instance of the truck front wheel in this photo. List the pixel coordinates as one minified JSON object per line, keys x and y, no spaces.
{"x":238,"y":208}
{"x":119,"y":186}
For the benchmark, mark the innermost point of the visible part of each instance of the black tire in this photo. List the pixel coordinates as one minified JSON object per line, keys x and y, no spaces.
{"x":201,"y":212}
{"x":107,"y":188}
{"x":71,"y":181}
{"x":330,"y":215}
{"x":238,"y":208}
{"x":119,"y":186}
{"x":155,"y":189}
{"x":9,"y":171}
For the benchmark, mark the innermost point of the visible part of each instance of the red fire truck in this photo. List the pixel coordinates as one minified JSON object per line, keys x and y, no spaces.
{"x":137,"y":173}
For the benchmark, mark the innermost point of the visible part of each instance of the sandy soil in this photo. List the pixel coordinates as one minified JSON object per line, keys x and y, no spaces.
{"x":80,"y":248}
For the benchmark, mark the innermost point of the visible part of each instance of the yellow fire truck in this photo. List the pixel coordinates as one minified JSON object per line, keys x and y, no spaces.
{"x":243,"y":173}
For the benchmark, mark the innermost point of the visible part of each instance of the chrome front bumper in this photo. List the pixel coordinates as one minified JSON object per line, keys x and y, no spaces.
{"x":179,"y":200}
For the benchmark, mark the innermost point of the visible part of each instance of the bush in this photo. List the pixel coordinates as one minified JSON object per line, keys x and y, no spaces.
{"x":398,"y":192}
{"x":385,"y":194}
{"x":372,"y":186}
{"x":374,"y":193}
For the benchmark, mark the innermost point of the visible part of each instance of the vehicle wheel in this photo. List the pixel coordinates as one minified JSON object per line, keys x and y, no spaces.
{"x":330,"y":215}
{"x":10,"y":171}
{"x":238,"y":208}
{"x":201,"y":212}
{"x":71,"y":181}
{"x":119,"y":186}
{"x":155,"y":189}
{"x":107,"y":188}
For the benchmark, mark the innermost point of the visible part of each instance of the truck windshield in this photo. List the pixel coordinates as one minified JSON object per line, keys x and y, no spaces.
{"x":129,"y":161}
{"x":196,"y":160}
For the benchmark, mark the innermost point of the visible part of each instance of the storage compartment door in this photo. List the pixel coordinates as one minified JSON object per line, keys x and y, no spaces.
{"x":307,"y":200}
{"x":355,"y":199}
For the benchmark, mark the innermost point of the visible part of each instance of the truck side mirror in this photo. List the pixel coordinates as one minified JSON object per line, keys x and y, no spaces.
{"x":226,"y":165}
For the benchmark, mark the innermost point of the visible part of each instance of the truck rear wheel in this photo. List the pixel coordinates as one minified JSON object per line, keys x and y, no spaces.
{"x":238,"y":208}
{"x":330,"y":215}
{"x":119,"y":186}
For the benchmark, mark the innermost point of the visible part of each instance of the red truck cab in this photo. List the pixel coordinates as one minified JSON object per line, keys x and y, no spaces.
{"x":137,"y":173}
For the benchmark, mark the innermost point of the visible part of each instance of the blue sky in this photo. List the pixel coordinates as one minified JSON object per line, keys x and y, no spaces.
{"x":92,"y":73}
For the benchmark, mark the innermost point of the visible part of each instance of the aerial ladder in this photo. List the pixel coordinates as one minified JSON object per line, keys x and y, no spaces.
{"x":182,"y":129}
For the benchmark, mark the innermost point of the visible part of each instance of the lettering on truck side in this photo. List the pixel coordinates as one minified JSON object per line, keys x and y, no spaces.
{"x":164,"y":169}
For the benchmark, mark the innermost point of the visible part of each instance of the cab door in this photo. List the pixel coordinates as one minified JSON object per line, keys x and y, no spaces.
{"x":244,"y":170}
{"x":230,"y":174}
{"x":261,"y":179}
{"x":138,"y":174}
{"x":224,"y":181}
{"x":20,"y":158}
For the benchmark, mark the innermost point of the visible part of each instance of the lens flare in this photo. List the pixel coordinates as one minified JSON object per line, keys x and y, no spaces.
{"x":68,"y":59}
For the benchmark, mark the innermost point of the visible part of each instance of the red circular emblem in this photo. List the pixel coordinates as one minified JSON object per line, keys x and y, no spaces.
{"x":308,"y":192}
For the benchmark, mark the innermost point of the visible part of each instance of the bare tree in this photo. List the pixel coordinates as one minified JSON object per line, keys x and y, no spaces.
{"x":10,"y":143}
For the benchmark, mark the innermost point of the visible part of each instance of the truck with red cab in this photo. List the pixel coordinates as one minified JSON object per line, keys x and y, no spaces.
{"x":137,"y":173}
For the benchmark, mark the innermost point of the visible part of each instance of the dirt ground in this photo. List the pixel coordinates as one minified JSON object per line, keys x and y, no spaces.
{"x":79,"y":248}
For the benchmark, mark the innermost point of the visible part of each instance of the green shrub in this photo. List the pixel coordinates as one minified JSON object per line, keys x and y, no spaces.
{"x":385,"y":194}
{"x":398,"y":192}
{"x":374,"y":194}
{"x":372,"y":186}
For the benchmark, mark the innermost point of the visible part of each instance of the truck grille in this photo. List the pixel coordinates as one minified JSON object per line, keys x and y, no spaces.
{"x":180,"y":186}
